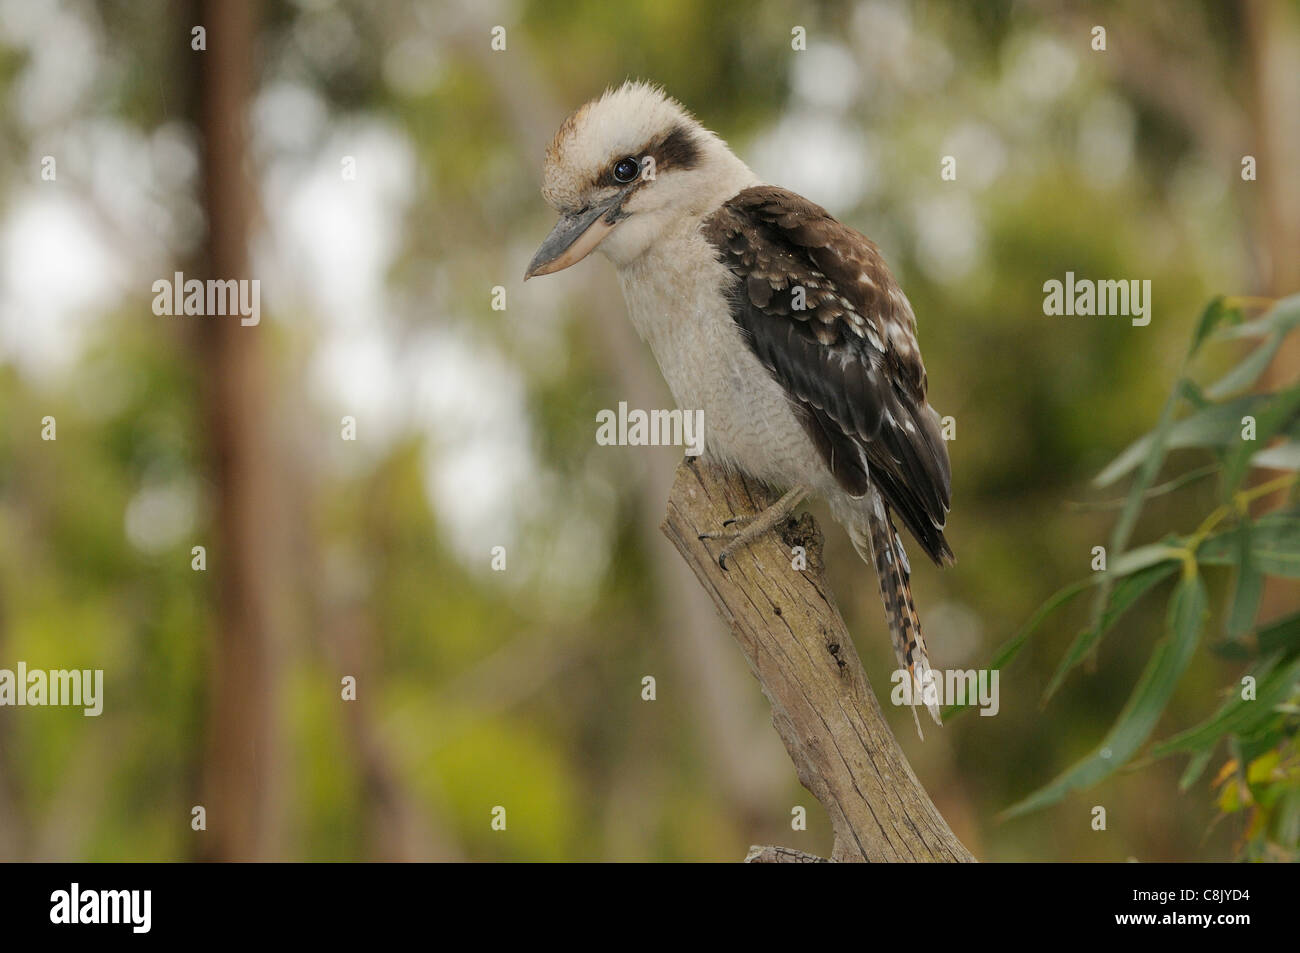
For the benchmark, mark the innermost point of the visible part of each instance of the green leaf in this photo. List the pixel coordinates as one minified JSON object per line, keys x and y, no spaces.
{"x":1236,"y":716}
{"x":1231,"y":651}
{"x":1247,"y":372}
{"x":1249,"y":588}
{"x":1125,"y":594}
{"x":1145,"y":556}
{"x":1286,"y":824}
{"x":1011,"y":648}
{"x":1232,"y":798}
{"x":1281,"y":635}
{"x":1260,"y":771}
{"x":1153,"y":458}
{"x":1212,"y":424}
{"x":1274,"y":546}
{"x":1195,"y":768}
{"x":1187,"y":389}
{"x":1274,"y":327}
{"x":1277,"y":412}
{"x":1265,"y":733}
{"x":1213,"y":315}
{"x":1215,"y":425}
{"x":1187,"y":611}
{"x":1280,"y":559}
{"x":1282,"y":317}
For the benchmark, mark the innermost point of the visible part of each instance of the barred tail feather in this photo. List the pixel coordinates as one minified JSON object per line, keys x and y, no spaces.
{"x":881,"y":547}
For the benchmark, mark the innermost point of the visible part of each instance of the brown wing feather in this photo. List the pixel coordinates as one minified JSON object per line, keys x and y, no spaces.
{"x":848,"y":357}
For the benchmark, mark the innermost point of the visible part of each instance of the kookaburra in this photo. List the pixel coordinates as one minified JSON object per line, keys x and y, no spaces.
{"x":782,"y":324}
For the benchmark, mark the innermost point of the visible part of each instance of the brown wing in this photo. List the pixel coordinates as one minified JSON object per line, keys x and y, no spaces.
{"x":848,"y":357}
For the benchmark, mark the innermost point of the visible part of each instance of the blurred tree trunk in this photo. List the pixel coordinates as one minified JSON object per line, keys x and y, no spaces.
{"x":239,"y":774}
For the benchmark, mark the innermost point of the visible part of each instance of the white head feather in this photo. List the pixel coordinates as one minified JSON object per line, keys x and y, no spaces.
{"x":633,"y":121}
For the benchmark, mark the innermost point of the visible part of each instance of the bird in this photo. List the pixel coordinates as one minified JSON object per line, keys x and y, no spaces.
{"x":782,"y":324}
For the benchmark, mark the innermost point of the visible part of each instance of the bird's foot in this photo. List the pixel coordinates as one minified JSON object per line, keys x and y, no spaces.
{"x":733,"y":530}
{"x":740,"y":531}
{"x":730,"y":528}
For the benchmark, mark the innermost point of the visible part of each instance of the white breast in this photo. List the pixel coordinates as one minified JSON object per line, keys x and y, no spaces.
{"x":675,"y":301}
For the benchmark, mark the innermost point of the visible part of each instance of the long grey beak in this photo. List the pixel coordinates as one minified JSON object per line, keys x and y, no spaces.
{"x":575,"y":236}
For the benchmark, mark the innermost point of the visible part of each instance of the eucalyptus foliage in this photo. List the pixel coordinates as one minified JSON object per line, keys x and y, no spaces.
{"x":1247,"y":431}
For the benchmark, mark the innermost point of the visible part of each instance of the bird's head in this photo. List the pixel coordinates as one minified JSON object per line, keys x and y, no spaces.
{"x":624,"y":168}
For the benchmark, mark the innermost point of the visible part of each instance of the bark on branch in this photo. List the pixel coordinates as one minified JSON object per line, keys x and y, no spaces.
{"x":786,"y":622}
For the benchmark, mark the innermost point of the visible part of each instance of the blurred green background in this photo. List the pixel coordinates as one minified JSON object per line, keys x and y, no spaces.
{"x":372,"y":558}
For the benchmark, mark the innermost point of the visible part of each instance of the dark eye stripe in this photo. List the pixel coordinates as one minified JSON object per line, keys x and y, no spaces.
{"x":677,"y":150}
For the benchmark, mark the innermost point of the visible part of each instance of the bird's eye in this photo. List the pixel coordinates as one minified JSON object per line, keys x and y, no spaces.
{"x":625,"y":170}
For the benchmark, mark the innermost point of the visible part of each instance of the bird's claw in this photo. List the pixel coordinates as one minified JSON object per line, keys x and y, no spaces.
{"x":738,"y":531}
{"x":735,"y":521}
{"x":727,"y":533}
